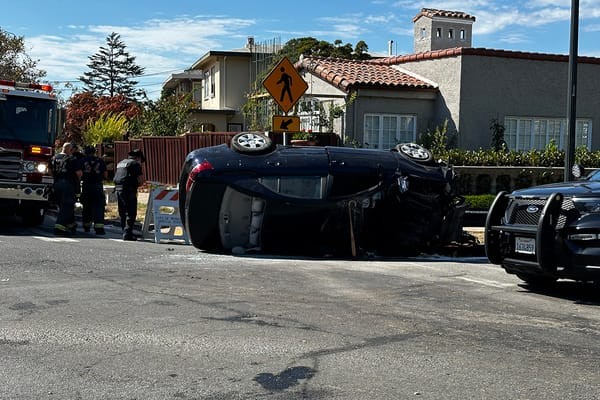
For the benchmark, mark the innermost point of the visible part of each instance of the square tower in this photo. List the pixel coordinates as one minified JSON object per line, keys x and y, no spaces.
{"x":439,"y":29}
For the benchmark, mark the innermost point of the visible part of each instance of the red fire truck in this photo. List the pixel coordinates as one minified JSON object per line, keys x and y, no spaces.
{"x":28,"y":127}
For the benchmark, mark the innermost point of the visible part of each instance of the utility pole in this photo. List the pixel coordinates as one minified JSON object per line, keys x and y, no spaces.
{"x":572,"y":93}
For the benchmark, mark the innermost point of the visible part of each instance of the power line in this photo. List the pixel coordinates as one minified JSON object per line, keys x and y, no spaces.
{"x":139,"y":76}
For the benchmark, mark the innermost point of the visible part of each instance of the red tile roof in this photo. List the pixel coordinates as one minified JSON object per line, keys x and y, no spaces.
{"x":432,"y":12}
{"x":348,"y":74}
{"x":472,"y":51}
{"x":379,"y":72}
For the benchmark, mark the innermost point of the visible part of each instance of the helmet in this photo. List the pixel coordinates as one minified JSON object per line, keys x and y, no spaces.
{"x":89,"y":150}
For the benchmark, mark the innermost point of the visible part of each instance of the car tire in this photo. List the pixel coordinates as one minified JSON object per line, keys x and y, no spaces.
{"x":414,"y":152}
{"x":251,"y":143}
{"x":33,"y":216}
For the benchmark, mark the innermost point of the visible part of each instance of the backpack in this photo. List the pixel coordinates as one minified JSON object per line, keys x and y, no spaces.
{"x":122,"y":172}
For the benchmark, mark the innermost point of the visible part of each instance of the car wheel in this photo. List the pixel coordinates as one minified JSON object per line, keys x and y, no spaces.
{"x":536,"y":280}
{"x":414,"y":152}
{"x":251,"y":143}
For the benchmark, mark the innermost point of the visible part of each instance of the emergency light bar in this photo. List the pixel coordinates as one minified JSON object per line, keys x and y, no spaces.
{"x":34,"y":86}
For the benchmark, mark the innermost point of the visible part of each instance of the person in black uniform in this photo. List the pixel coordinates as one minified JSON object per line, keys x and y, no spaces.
{"x":92,"y":191}
{"x":77,"y":155}
{"x":128,"y":177}
{"x":66,"y":172}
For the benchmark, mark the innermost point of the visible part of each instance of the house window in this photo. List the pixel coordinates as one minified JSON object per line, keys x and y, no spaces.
{"x":438,"y":32}
{"x":527,"y":133}
{"x":450,"y":33}
{"x":310,"y":114}
{"x":385,"y":131}
{"x":212,"y":81}
{"x":423,"y":33}
{"x":197,"y":92}
{"x":463,"y":34}
{"x":206,"y":83}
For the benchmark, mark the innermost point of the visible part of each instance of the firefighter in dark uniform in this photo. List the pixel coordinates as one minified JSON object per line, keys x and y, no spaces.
{"x":92,"y":191}
{"x":66,"y":172}
{"x":128,"y":177}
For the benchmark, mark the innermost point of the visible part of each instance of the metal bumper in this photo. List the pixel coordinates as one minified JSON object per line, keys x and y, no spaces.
{"x":24,"y":191}
{"x":544,"y":234}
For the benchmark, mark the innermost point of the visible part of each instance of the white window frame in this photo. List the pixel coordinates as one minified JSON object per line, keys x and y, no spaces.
{"x":310,"y":114}
{"x":403,"y":129}
{"x":527,"y":133}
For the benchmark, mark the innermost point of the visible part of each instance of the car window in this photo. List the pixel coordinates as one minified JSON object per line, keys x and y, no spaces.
{"x":594,"y":176}
{"x":306,"y":187}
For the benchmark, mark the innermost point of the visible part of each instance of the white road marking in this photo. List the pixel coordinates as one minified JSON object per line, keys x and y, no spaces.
{"x":485,"y":282}
{"x":55,"y":239}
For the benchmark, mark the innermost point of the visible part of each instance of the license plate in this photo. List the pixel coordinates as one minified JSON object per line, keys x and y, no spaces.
{"x":524,"y":245}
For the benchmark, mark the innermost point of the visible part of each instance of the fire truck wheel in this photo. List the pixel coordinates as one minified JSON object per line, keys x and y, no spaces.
{"x":33,"y":216}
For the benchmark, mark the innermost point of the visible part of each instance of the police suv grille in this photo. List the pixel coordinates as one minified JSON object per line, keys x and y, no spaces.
{"x":519,"y":213}
{"x":528,"y":211}
{"x":10,"y":164}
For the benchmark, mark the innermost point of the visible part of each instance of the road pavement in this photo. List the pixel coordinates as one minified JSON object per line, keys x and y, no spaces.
{"x":99,"y":318}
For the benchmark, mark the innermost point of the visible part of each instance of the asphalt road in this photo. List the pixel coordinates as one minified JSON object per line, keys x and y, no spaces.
{"x":99,"y":318}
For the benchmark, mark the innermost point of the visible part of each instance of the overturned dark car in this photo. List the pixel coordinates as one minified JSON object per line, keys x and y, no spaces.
{"x":255,"y":196}
{"x":548,"y":232}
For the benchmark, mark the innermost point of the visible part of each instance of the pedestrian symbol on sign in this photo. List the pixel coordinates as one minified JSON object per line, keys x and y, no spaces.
{"x":286,"y":82}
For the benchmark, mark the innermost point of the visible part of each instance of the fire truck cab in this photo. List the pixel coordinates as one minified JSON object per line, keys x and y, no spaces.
{"x":28,"y":128}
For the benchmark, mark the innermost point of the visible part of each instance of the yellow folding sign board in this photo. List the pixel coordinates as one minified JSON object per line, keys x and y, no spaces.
{"x":285,"y":84}
{"x":283,"y":123}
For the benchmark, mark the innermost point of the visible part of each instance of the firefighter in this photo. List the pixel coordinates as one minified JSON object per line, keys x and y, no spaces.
{"x":78,"y":155}
{"x":128,"y":177}
{"x":66,"y":172}
{"x":92,"y":190}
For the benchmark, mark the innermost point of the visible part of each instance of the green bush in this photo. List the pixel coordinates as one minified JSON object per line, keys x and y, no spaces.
{"x":479,"y":201}
{"x":550,"y":156}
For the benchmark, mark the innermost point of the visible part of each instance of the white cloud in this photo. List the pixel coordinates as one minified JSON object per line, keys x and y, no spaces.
{"x":159,"y":45}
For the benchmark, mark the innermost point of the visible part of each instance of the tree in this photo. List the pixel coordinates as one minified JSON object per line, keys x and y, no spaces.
{"x":309,"y":46}
{"x":84,"y":109}
{"x":168,"y":116}
{"x":112,"y":71}
{"x":15,"y":63}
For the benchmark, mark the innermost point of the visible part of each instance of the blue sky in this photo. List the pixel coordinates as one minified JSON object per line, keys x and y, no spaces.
{"x":169,"y":36}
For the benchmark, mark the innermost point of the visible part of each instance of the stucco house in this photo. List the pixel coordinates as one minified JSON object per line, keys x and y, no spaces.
{"x":396,"y":98}
{"x":220,"y":82}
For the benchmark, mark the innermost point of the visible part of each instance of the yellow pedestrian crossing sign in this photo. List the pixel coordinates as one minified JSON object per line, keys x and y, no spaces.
{"x":285,"y":84}
{"x":284,"y":123}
